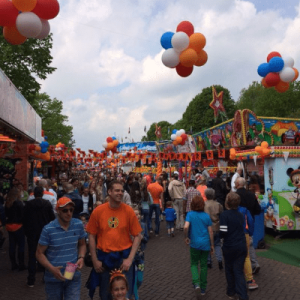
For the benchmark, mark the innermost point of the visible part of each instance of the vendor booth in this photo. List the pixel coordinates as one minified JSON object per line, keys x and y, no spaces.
{"x":20,"y":125}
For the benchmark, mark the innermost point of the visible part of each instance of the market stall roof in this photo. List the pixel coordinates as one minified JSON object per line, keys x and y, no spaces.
{"x":17,"y":116}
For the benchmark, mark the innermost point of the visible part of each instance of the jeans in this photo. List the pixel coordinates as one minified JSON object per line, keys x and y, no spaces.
{"x":32,"y":242}
{"x":253,"y":258}
{"x":178,"y":206}
{"x":17,"y":238}
{"x":146,"y":218}
{"x":234,"y":271}
{"x":156,"y":209}
{"x":199,"y":256}
{"x":217,"y":245}
{"x":64,"y":290}
{"x":170,"y":224}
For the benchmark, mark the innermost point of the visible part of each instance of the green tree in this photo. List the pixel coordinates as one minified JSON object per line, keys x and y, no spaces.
{"x":25,"y":63}
{"x":270,"y":103}
{"x":164,"y":131}
{"x":53,"y":121}
{"x":199,"y":115}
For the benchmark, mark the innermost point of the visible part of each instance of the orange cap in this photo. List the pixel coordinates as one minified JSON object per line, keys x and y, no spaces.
{"x":62,"y":202}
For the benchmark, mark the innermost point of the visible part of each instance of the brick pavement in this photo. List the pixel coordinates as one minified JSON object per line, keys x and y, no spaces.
{"x":167,"y":276}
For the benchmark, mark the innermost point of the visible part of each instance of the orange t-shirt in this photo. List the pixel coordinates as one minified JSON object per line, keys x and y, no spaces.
{"x":201,"y":189}
{"x":155,"y":189}
{"x":113,"y":227}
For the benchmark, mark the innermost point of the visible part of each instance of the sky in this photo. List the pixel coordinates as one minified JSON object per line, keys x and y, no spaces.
{"x":108,"y":58}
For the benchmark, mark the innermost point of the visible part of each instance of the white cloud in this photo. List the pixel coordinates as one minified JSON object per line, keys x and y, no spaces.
{"x":108,"y":56}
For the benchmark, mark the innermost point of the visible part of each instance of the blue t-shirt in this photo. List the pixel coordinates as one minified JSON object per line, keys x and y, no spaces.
{"x":170,"y":214}
{"x":198,"y":231}
{"x":62,"y":244}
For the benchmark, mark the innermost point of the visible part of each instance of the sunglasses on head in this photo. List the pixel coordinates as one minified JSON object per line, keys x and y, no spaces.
{"x":65,"y":210}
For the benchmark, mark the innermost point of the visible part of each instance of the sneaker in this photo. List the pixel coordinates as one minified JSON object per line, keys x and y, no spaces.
{"x":30,"y":284}
{"x":231,"y":296}
{"x":252,"y":285}
{"x":202,"y":292}
{"x":172,"y":234}
{"x":256,"y":270}
{"x":181,"y":229}
{"x":151,"y":231}
{"x":197,"y":291}
{"x":220,"y":265}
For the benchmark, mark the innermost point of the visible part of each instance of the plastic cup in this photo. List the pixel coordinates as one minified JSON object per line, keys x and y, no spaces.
{"x":70,"y":270}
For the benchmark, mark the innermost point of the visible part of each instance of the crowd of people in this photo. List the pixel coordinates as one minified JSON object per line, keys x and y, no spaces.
{"x":104,"y":220}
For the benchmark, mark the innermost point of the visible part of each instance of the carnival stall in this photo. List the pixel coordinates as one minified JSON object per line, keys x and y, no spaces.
{"x":20,"y":125}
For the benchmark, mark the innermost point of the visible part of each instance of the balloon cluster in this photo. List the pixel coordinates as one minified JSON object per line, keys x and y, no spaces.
{"x":178,"y":137}
{"x":22,"y":19}
{"x":59,"y":146}
{"x":44,"y":145}
{"x":111,"y":144}
{"x":263,"y":149}
{"x":184,"y":49}
{"x":278,"y":72}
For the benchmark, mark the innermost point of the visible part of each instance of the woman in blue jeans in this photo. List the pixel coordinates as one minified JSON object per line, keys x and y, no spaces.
{"x":145,"y":205}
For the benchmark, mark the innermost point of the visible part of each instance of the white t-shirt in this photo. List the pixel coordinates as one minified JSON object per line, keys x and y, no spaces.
{"x":234,"y":178}
{"x":85,"y":200}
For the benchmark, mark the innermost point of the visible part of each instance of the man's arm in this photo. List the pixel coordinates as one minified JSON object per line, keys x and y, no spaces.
{"x":81,"y":253}
{"x":41,"y":257}
{"x":127,"y":262}
{"x":186,"y":232}
{"x":211,"y":237}
{"x":92,"y":245}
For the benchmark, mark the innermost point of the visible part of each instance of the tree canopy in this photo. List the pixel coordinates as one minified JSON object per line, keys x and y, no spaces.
{"x":53,"y":121}
{"x":25,"y":63}
{"x":197,"y":116}
{"x":270,"y":103}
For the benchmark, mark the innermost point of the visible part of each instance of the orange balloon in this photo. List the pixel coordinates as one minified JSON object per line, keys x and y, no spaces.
{"x":116,"y":143}
{"x":263,"y":82}
{"x":282,"y":87}
{"x":110,"y":146}
{"x":179,"y":139}
{"x":175,"y":143}
{"x":264,"y":144}
{"x":232,"y":151}
{"x":37,"y":148}
{"x":23,"y":6}
{"x":13,"y":36}
{"x":197,"y":41}
{"x":266,"y":151}
{"x":258,"y":149}
{"x":188,"y":57}
{"x":297,"y":74}
{"x":202,"y":58}
{"x":232,"y":156}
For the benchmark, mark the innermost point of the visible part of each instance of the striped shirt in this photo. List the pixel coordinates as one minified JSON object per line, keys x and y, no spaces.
{"x":190,"y":194}
{"x":62,"y":244}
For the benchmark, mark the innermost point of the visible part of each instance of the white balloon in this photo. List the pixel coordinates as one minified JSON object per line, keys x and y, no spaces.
{"x":170,"y":58}
{"x":287,"y":74}
{"x":173,"y":137}
{"x":180,"y":41}
{"x":45,"y":29}
{"x":104,"y":145}
{"x":182,"y":131}
{"x":29,"y":24}
{"x":288,"y":62}
{"x":178,"y":133}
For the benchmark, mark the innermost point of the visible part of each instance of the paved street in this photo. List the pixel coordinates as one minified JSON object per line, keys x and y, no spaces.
{"x":167,"y":276}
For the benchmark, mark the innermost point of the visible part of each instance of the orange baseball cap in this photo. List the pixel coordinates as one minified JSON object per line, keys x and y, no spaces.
{"x":63,"y":201}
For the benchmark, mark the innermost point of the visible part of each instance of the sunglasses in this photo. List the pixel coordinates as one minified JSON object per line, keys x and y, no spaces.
{"x":65,"y":210}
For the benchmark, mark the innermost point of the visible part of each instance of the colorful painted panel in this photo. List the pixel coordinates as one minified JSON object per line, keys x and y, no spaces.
{"x":215,"y":137}
{"x":280,"y":195}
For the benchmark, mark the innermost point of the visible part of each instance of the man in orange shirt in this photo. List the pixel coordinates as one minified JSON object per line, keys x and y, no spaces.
{"x":156,"y":191}
{"x":115,"y":235}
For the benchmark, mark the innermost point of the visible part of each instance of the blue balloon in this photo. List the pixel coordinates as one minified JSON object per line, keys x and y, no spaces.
{"x":113,"y":138}
{"x":45,"y":138}
{"x":174,"y":131}
{"x":276,"y":64}
{"x":263,"y":70}
{"x":165,"y":40}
